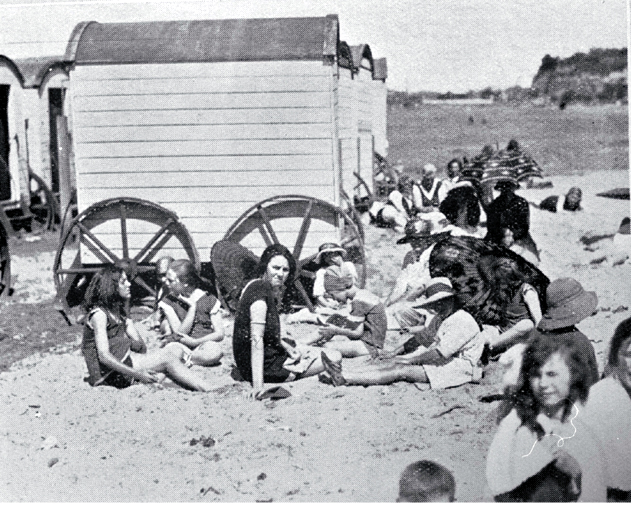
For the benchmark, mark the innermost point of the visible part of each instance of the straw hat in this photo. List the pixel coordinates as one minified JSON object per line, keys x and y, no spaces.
{"x":233,"y":266}
{"x":438,"y":288}
{"x":329,"y":247}
{"x":568,"y":304}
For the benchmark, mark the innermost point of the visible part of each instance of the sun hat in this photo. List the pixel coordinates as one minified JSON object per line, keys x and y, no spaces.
{"x":438,"y":288}
{"x":233,"y":266}
{"x":329,"y":247}
{"x":336,"y":279}
{"x":568,"y":304}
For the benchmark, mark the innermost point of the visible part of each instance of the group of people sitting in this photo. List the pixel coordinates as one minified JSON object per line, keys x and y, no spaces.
{"x":557,"y":418}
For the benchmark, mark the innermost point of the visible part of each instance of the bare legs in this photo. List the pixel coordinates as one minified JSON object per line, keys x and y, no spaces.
{"x":169,"y":360}
{"x":383,"y":374}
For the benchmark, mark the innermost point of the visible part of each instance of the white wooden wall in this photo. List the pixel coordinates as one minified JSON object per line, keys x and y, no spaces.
{"x":19,"y":174}
{"x":206,"y":141}
{"x":379,"y":116}
{"x":356,"y":112}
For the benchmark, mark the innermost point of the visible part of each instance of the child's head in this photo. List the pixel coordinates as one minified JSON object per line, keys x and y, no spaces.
{"x":330,"y":253}
{"x":182,"y":277}
{"x":426,"y":481}
{"x":338,"y":284}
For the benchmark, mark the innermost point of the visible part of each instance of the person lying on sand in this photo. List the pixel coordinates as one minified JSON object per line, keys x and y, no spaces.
{"x":571,"y":202}
{"x":114,"y":351}
{"x":398,"y":209}
{"x":452,"y":360}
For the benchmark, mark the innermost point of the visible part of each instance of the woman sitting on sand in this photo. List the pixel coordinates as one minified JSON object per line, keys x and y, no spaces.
{"x":260,"y":354}
{"x":198,"y":327}
{"x":114,"y":351}
{"x":608,"y":411}
{"x":543,"y":449}
{"x":509,"y":211}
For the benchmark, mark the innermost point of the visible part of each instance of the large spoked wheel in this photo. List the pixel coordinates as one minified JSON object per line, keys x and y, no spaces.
{"x":301,"y":223}
{"x":5,"y":264}
{"x":43,"y":205}
{"x":129,"y":231}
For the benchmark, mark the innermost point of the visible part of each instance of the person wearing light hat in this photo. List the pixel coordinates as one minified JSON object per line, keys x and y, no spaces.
{"x":425,"y":194}
{"x":450,"y":360}
{"x":329,"y":254}
{"x":568,"y":304}
{"x":422,"y":234}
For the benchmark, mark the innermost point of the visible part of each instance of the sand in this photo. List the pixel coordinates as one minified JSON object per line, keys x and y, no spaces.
{"x":61,"y":440}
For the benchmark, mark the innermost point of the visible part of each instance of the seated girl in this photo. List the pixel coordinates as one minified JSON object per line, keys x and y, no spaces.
{"x":519,"y":300}
{"x":260,"y":354}
{"x":399,"y":208}
{"x":364,"y":331}
{"x":114,"y":351}
{"x":544,"y":451}
{"x":200,"y":326}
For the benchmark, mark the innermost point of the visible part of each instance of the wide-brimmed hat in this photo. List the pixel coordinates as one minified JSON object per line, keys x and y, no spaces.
{"x":430,"y":224}
{"x":329,"y":247}
{"x":233,"y":265}
{"x":438,"y":288}
{"x":568,"y":304}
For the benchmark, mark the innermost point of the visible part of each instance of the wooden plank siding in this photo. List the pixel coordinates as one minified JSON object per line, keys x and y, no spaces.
{"x":205,"y":140}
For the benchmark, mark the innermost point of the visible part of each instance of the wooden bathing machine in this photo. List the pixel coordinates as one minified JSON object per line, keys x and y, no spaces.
{"x":207,"y":118}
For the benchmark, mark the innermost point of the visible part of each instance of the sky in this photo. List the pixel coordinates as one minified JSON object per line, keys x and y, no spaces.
{"x":430,"y":45}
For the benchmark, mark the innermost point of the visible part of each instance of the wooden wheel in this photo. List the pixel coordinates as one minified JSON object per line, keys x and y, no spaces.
{"x":119,"y":230}
{"x":5,"y":264}
{"x":301,"y":223}
{"x":349,"y":208}
{"x":362,"y":196}
{"x":43,"y":205}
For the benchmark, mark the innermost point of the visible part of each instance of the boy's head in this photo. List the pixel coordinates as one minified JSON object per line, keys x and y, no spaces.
{"x":338,"y":283}
{"x":439,"y":297}
{"x":426,"y":481}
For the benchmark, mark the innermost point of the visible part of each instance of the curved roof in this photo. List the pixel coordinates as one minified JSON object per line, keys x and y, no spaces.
{"x":35,"y":70}
{"x":380,"y":72}
{"x":361,"y":52}
{"x":10,"y":64}
{"x":344,"y":56}
{"x":204,"y":41}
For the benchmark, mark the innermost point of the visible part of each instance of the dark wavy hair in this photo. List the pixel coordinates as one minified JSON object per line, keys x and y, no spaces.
{"x":622,"y":333}
{"x":426,"y":481}
{"x":272,"y":251}
{"x":455,"y":160}
{"x":103,"y":292}
{"x":458,"y":198}
{"x":502,"y":276}
{"x":540,"y":349}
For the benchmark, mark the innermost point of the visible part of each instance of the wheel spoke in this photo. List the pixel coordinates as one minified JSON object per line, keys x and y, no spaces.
{"x":308,"y":274}
{"x":268,"y":225}
{"x":81,"y":270}
{"x":304,"y":295}
{"x":141,"y":282}
{"x":124,"y":231}
{"x":158,"y":247}
{"x":265,"y":235}
{"x":302,"y":234}
{"x":153,"y":240}
{"x":87,"y":232}
{"x":95,"y":250}
{"x":349,"y":240}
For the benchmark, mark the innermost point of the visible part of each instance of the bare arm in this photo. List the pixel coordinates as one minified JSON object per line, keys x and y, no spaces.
{"x":534,"y":307}
{"x":132,"y":332}
{"x":331,"y":330}
{"x":99,"y":324}
{"x":258,"y":315}
{"x":215,"y":336}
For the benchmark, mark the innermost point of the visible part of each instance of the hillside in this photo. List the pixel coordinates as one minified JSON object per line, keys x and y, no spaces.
{"x":598,"y":76}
